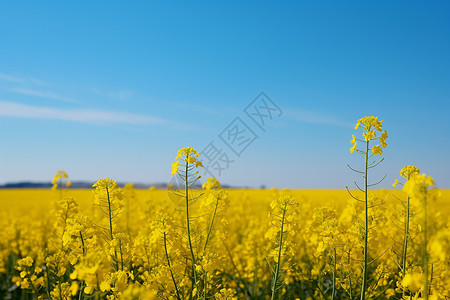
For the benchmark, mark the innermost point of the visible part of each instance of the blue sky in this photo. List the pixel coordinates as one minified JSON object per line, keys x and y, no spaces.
{"x":114,"y":89}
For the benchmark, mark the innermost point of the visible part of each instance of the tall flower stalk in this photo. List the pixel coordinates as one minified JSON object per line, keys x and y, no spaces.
{"x":283,"y":212}
{"x":185,"y":166}
{"x":417,"y":186}
{"x":407,"y":172}
{"x":217,"y":201}
{"x":370,"y":126}
{"x":108,"y":197}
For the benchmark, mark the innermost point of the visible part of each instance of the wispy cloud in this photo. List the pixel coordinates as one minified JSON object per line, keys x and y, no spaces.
{"x":21,"y":79}
{"x":9,"y":78}
{"x":212,"y":109}
{"x":119,"y":94}
{"x":40,"y":94}
{"x":306,"y":116}
{"x":89,"y":116}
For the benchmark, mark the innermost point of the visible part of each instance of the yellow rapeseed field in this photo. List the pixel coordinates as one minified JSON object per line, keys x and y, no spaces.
{"x":194,"y":241}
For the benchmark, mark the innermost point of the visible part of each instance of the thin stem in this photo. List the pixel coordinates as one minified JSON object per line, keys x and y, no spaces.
{"x":280,"y":245}
{"x":366,"y":227}
{"x":32,"y":285}
{"x":81,"y":291}
{"x":194,"y":279}
{"x":211,"y":225}
{"x":405,"y":242}
{"x":170,"y":267}
{"x":82,"y":244}
{"x":110,"y":227}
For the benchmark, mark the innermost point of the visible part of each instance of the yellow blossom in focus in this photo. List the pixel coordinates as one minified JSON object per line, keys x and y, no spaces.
{"x":407,"y":171}
{"x":353,"y":141}
{"x":369,"y":135}
{"x":187,"y":155}
{"x":369,"y":122}
{"x":383,"y":138}
{"x":175,"y":166}
{"x":186,"y":152}
{"x":395,"y":183}
{"x":377,"y":150}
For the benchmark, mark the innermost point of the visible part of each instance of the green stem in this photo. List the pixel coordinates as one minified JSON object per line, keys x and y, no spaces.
{"x":111,"y":228}
{"x":32,"y":285}
{"x":80,"y":296}
{"x":211,"y":225}
{"x":366,"y":226}
{"x":280,"y":245}
{"x":194,"y":279}
{"x":170,"y":267}
{"x":81,"y":291}
{"x":405,"y":242}
{"x":82,"y":244}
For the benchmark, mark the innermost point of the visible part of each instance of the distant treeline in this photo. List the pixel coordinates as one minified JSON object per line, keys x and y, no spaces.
{"x":75,"y":185}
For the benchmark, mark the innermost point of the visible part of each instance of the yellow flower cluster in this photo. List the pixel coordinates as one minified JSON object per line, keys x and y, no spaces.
{"x":368,"y":123}
{"x":187,"y":155}
{"x":407,"y":172}
{"x":370,"y":126}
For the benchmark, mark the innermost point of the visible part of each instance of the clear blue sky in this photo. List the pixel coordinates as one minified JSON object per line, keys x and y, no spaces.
{"x":115,"y":88}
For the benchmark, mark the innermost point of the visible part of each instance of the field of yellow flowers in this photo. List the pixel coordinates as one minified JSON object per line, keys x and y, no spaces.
{"x":199,"y":241}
